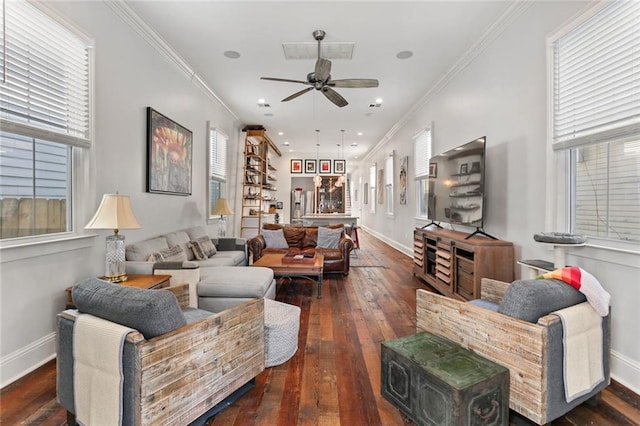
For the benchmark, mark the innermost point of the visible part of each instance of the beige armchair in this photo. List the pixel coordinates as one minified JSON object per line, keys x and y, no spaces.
{"x":531,"y":351}
{"x":176,"y":377}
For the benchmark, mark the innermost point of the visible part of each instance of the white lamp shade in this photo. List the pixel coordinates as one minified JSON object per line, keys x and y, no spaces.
{"x":114,"y":212}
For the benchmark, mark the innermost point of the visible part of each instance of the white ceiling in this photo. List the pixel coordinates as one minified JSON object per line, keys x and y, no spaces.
{"x":437,"y":32}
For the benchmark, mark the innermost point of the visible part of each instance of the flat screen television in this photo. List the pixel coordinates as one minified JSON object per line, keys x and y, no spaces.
{"x":456,"y":185}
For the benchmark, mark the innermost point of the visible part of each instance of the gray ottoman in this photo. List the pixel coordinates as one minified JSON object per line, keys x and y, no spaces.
{"x":224,"y":287}
{"x":281,"y":326}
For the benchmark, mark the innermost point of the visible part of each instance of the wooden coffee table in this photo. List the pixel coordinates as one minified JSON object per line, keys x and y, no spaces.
{"x":312,"y":271}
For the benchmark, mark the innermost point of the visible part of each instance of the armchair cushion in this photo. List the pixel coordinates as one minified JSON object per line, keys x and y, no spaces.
{"x":151,"y":312}
{"x":329,"y":238}
{"x":274,"y":238}
{"x":529,"y":300}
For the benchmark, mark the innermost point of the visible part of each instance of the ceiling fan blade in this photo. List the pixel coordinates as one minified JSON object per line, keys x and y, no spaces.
{"x":354,"y":83}
{"x":323,"y":69}
{"x":286,"y":80}
{"x":334,"y":97}
{"x":295,"y":95}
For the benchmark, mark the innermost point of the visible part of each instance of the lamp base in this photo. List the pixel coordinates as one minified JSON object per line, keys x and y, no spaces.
{"x":114,"y":259}
{"x":115,"y":279}
{"x":222,"y":227}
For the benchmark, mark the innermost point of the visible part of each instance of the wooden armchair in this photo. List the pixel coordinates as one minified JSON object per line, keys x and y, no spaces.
{"x":176,"y":377}
{"x":531,"y":352}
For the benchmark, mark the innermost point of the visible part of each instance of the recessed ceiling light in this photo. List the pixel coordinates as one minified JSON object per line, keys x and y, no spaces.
{"x":378,"y":101}
{"x":405,"y":54}
{"x":359,"y":133}
{"x":354,"y":144}
{"x":231,"y":54}
{"x":261,"y":101}
{"x":280,"y":133}
{"x":290,"y":150}
{"x":285,"y":143}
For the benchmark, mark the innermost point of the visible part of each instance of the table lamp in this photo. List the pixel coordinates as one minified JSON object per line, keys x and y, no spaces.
{"x":222,"y":208}
{"x":114,"y":213}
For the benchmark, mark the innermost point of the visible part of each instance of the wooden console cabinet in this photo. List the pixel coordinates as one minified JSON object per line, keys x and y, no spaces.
{"x":453,"y":265}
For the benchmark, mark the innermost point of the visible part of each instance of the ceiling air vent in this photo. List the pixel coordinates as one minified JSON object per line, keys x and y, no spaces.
{"x":328,"y":50}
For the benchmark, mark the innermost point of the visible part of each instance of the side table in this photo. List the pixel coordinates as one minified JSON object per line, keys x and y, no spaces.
{"x":437,"y":382}
{"x":138,"y":281}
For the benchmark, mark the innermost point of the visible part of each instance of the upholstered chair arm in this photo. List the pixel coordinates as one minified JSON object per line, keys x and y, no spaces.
{"x":256,"y":245}
{"x":493,"y":290}
{"x":346,"y":245}
{"x":209,"y":359}
{"x":518,"y":345}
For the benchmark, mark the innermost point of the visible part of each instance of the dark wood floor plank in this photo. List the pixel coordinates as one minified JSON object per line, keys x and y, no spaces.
{"x":334,"y":378}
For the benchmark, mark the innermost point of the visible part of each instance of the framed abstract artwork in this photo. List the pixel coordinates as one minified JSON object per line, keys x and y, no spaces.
{"x":310,"y":166}
{"x":169,"y":155}
{"x":325,"y":167}
{"x":404,"y":161}
{"x":296,"y":166}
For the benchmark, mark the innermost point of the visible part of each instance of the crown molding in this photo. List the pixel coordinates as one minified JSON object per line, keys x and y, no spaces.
{"x":129,"y":17}
{"x":509,"y":15}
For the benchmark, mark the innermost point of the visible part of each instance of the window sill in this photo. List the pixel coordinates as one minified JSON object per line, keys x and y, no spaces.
{"x":25,"y":248}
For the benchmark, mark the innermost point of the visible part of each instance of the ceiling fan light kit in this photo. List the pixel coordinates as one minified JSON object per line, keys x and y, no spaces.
{"x":320,"y":79}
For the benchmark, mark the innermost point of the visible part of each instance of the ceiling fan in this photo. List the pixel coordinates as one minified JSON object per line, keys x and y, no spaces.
{"x":320,"y":79}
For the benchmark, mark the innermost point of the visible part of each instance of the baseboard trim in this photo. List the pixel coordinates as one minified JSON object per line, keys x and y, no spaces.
{"x":27,"y":359}
{"x":625,"y":371}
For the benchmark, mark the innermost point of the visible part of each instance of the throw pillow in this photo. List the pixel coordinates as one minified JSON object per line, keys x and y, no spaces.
{"x":151,"y":312}
{"x":529,"y":300}
{"x":274,"y":238}
{"x":172,"y":254}
{"x":329,"y":237}
{"x":197,"y":251}
{"x":207,"y":246}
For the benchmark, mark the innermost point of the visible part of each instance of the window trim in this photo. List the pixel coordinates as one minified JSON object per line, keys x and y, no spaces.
{"x":221,"y":179}
{"x":417,"y":176}
{"x":389,"y":187}
{"x":83,"y":198}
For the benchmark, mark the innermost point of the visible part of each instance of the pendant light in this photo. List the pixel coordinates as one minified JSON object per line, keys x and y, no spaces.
{"x":341,"y":179}
{"x":317,"y":179}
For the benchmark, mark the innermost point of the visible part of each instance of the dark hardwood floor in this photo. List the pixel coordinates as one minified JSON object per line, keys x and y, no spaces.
{"x":334,"y":379}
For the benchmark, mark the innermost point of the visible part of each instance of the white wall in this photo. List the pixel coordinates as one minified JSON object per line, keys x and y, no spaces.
{"x":501,"y":94}
{"x":129,"y":76}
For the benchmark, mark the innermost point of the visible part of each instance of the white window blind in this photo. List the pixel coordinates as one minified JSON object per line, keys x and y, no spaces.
{"x":44,"y":77}
{"x":372,"y":188}
{"x":218,"y":155}
{"x":388,"y":177}
{"x":422,"y":153}
{"x":596,"y":116}
{"x":597,"y":78}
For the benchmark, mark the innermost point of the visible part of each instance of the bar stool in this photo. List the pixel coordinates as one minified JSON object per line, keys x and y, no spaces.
{"x":354,"y":236}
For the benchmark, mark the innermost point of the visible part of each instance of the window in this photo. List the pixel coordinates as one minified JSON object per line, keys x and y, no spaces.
{"x":388,"y":184}
{"x":372,"y":188}
{"x":44,"y":115}
{"x":217,"y":166}
{"x":596,"y":120}
{"x":422,"y":153}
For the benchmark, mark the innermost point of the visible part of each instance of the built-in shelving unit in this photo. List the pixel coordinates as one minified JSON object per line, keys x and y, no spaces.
{"x":454,"y":264}
{"x":259,"y":181}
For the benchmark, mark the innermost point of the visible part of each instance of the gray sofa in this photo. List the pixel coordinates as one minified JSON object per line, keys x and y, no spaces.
{"x":229,"y":251}
{"x":217,"y":282}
